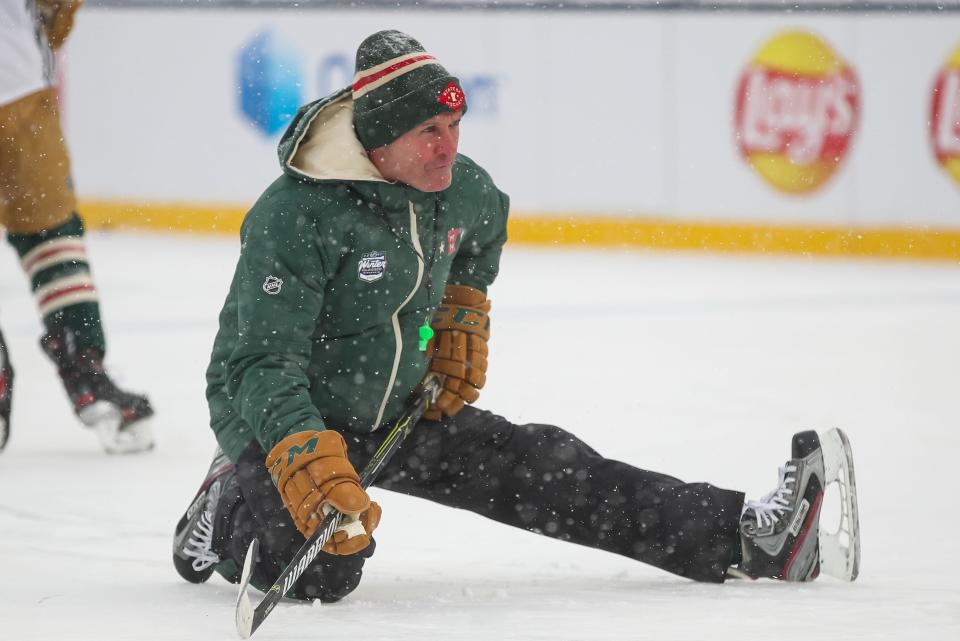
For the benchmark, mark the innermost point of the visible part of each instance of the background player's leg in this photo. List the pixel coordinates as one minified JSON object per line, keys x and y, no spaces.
{"x":38,"y":210}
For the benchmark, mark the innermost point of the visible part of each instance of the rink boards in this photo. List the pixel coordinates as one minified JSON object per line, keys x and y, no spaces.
{"x":834,"y":133}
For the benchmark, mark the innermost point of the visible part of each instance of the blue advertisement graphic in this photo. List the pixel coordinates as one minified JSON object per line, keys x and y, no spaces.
{"x":270,"y":82}
{"x":334,"y":72}
{"x":482,"y":91}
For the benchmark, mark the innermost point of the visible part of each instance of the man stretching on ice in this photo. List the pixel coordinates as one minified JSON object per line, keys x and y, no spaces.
{"x":377,"y":237}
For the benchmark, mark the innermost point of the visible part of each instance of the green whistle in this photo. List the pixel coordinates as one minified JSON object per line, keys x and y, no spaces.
{"x":426,"y":333}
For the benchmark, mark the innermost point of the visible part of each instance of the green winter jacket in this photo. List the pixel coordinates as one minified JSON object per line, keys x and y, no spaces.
{"x":338,"y":270}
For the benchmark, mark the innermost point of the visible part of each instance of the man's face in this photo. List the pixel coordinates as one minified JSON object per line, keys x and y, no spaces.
{"x":422,"y":157}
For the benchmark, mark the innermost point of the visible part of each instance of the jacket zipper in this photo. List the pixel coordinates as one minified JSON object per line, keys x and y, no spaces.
{"x":395,"y":318}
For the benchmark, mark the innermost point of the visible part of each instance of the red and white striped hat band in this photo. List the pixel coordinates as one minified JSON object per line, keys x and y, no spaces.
{"x":379,"y":75}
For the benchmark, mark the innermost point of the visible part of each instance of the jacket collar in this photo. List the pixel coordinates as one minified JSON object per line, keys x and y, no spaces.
{"x":320,"y":146}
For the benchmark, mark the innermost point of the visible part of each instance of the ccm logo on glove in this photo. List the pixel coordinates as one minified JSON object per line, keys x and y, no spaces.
{"x":313,"y":474}
{"x":458,"y":350}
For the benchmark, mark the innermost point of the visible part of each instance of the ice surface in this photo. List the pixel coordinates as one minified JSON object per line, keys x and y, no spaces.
{"x":701,"y":367}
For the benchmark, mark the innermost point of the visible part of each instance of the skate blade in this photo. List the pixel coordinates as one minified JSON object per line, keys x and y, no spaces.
{"x":4,"y":433}
{"x":107,"y":420}
{"x":244,"y":611}
{"x":840,"y":550}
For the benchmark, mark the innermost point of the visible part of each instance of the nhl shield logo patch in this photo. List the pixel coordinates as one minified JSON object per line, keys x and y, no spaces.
{"x":272,"y":285}
{"x":372,"y":266}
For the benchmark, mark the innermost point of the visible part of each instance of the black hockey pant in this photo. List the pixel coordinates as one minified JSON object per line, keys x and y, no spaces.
{"x":536,"y":477}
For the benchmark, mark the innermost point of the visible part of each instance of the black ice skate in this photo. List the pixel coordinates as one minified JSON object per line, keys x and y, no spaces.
{"x":780,"y":534}
{"x":194,"y":555}
{"x":6,"y":393}
{"x":122,"y":419}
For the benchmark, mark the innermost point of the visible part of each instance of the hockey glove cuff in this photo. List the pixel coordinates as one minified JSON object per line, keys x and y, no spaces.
{"x":459,"y":348}
{"x":313,"y":474}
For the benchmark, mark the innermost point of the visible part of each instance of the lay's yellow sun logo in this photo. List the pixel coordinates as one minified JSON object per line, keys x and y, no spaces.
{"x":945,"y":116}
{"x":797,"y":109}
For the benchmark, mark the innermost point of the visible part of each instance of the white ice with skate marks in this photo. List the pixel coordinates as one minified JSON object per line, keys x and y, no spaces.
{"x":698,"y":367}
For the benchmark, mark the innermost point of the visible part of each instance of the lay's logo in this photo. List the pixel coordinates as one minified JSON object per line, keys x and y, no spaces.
{"x":797,"y":108}
{"x":945,"y":116}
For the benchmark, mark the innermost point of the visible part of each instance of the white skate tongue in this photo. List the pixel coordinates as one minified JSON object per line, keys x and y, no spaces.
{"x":770,"y":507}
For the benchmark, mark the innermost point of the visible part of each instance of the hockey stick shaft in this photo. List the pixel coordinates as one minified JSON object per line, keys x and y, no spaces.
{"x":248,"y":617}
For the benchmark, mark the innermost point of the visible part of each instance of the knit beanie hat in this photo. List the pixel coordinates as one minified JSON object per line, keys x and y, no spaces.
{"x":397,"y":86}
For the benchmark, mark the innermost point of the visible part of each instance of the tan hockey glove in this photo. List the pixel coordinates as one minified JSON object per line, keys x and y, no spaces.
{"x":57,"y":19}
{"x":312,"y":473}
{"x":459,"y":348}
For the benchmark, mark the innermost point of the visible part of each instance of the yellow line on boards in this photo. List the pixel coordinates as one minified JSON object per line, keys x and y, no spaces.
{"x":215,"y":219}
{"x":590,"y":231}
{"x":894,"y":242}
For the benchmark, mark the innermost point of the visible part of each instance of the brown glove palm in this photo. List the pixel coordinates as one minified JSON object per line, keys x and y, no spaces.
{"x":57,"y":18}
{"x":312,"y":473}
{"x":459,"y":348}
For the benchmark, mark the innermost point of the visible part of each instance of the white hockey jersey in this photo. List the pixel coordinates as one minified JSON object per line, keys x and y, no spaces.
{"x":26,"y":61}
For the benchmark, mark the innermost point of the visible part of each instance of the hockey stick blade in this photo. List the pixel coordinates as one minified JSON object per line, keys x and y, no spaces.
{"x":249,"y":618}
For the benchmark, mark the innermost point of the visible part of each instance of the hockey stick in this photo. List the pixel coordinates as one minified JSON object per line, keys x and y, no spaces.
{"x":248,"y":617}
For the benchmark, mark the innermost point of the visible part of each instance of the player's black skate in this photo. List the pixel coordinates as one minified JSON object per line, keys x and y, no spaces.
{"x":6,"y":393}
{"x":194,"y":540}
{"x":780,"y":534}
{"x":122,"y":419}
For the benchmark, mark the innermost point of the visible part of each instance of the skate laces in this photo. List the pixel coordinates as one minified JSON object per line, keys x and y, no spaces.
{"x":200,"y":544}
{"x":770,"y":506}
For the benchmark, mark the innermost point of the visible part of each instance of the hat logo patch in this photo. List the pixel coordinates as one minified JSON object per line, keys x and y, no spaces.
{"x":451,"y":96}
{"x":372,"y":266}
{"x":272,"y":285}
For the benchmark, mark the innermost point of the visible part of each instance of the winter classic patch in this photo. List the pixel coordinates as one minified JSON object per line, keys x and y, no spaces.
{"x":372,"y":266}
{"x":272,"y":285}
{"x":451,"y":96}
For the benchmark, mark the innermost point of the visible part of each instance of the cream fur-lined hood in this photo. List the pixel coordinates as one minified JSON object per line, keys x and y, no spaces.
{"x":320,"y":143}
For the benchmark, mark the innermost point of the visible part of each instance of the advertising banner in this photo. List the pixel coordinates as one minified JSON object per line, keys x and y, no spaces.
{"x":806,"y":120}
